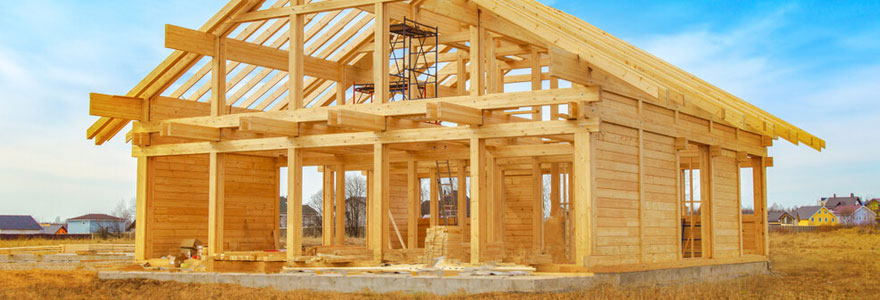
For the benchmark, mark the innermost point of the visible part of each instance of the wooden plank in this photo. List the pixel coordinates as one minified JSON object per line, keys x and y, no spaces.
{"x":294,"y":203}
{"x":449,"y":112}
{"x":268,"y":126}
{"x":188,"y":131}
{"x":130,"y":108}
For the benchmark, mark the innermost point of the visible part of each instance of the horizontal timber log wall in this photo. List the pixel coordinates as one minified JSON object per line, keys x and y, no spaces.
{"x":179,"y":202}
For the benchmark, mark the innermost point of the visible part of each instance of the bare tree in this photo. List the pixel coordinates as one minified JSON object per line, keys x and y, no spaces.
{"x":355,"y":204}
{"x":316,"y":202}
{"x":123,"y":210}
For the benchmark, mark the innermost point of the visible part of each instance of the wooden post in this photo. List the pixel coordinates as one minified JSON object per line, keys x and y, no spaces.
{"x":340,"y":206}
{"x":759,"y":179}
{"x":378,"y":214}
{"x":537,"y":205}
{"x":216,"y":203}
{"x":478,"y":211}
{"x":218,"y":79}
{"x":461,"y":212}
{"x":141,"y":239}
{"x":477,"y":76}
{"x":707,"y":208}
{"x":461,"y":74}
{"x":643,"y":210}
{"x":554,"y":190}
{"x":413,"y":208}
{"x":535,"y":60}
{"x":435,"y":199}
{"x":582,"y":199}
{"x":327,"y":207}
{"x":489,"y":199}
{"x":380,"y":54}
{"x":340,"y":86}
{"x":491,"y":64}
{"x":296,"y":72}
{"x":294,"y":203}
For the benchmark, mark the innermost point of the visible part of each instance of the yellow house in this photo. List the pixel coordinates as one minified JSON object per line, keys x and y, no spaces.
{"x":815,"y":216}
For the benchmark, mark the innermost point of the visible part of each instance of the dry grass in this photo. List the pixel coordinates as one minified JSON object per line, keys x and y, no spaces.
{"x":825,"y":265}
{"x":48,"y":242}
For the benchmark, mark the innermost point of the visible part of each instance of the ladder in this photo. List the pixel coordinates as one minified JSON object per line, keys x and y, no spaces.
{"x":448,"y":201}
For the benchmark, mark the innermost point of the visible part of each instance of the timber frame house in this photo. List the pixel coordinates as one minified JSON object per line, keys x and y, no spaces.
{"x":643,"y":159}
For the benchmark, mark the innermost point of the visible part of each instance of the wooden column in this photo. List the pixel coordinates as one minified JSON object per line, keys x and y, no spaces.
{"x":296,"y":72}
{"x":461,"y":74}
{"x":707,"y":207}
{"x":341,"y":86}
{"x":478,"y":211}
{"x":554,"y":190}
{"x":582,"y":198}
{"x":461,"y":211}
{"x":142,"y":214}
{"x":537,"y":205}
{"x":340,"y":206}
{"x":490,"y":196}
{"x":535,"y":60}
{"x":477,"y":76}
{"x":378,"y":213}
{"x":294,"y":203}
{"x":759,"y":179}
{"x":491,"y":64}
{"x":499,"y":202}
{"x":380,"y":54}
{"x":434,"y":205}
{"x":327,"y":207}
{"x":216,"y":203}
{"x":413,"y":208}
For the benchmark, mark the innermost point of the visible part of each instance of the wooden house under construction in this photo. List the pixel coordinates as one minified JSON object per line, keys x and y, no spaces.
{"x":641,"y":161}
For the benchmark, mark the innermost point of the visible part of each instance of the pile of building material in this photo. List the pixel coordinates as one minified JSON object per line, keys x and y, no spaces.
{"x":444,"y":242}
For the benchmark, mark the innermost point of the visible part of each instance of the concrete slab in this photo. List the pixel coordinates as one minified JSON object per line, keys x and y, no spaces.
{"x":462,"y":284}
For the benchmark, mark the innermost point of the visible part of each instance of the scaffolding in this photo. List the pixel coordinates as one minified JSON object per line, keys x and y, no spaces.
{"x":413,"y":75}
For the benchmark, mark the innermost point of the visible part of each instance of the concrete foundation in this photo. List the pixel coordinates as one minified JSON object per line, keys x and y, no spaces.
{"x":385,"y":283}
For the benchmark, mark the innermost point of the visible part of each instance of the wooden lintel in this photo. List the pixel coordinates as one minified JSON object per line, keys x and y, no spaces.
{"x":188,"y":131}
{"x":742,"y":156}
{"x":449,"y":112}
{"x":129,"y":108}
{"x":532,"y":150}
{"x":356,"y":120}
{"x":268,"y":126}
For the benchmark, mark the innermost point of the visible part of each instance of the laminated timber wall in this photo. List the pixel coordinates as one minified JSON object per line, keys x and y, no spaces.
{"x":518,"y":213}
{"x":179,"y":202}
{"x":726,"y":206}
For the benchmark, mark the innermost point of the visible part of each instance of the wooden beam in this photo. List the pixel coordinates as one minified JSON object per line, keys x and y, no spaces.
{"x":294,"y":203}
{"x":532,"y":150}
{"x":202,"y":43}
{"x":268,"y":126}
{"x":171,"y":129}
{"x":129,"y":108}
{"x":357,"y":120}
{"x":449,"y":112}
{"x":266,"y":14}
{"x":340,"y":206}
{"x":478,"y":205}
{"x":317,"y":7}
{"x":520,"y":129}
{"x":216,"y":203}
{"x":582,"y":199}
{"x":569,"y":66}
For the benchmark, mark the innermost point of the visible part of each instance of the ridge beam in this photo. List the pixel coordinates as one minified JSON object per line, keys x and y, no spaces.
{"x":196,"y":132}
{"x":268,"y":126}
{"x":356,"y":120}
{"x":459,"y":114}
{"x":317,"y":7}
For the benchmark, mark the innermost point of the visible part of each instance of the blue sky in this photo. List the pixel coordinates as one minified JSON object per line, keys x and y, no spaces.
{"x":815,"y":64}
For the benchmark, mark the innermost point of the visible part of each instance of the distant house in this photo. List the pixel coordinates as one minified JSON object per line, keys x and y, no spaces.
{"x":311,"y":219}
{"x":94,"y":223}
{"x":780,"y":218}
{"x":815,"y":216}
{"x":834,"y":201}
{"x":854,"y":215}
{"x":874,"y":205}
{"x":54,"y":228}
{"x":19,"y":225}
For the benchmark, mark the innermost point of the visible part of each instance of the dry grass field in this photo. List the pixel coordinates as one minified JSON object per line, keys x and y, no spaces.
{"x":45,"y":242}
{"x":842,"y":264}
